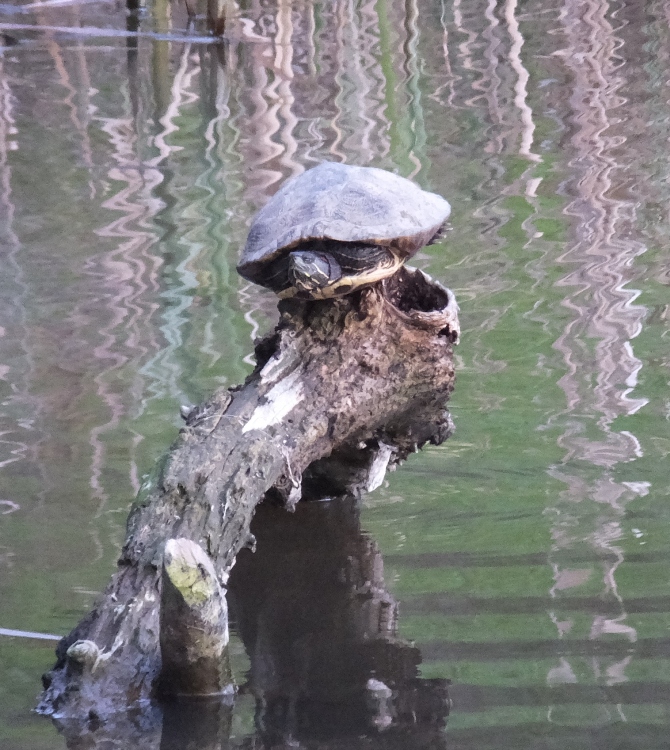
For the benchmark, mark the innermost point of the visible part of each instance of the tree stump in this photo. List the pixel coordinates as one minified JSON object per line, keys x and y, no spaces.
{"x":342,"y":390}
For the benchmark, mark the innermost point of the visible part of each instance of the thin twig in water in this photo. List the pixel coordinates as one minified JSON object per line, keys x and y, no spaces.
{"x":46,"y":5}
{"x":28,"y":634}
{"x":94,"y":31}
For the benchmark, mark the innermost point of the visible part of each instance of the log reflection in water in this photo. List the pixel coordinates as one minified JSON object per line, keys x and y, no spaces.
{"x":320,"y":629}
{"x":196,"y":725}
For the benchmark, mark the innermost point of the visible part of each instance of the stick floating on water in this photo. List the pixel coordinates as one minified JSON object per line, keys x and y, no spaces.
{"x":28,"y":634}
{"x":94,"y":31}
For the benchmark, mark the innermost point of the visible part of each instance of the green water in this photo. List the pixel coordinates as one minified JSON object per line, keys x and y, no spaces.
{"x":530,"y":553}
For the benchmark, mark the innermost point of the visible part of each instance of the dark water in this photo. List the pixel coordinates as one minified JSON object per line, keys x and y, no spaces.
{"x":529,"y":556}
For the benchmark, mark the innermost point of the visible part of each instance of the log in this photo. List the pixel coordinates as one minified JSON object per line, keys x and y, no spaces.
{"x":348,"y":385}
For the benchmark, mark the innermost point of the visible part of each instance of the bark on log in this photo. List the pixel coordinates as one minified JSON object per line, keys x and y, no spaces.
{"x":360,"y":380}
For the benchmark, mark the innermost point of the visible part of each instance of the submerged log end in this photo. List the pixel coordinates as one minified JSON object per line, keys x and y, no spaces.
{"x":193,"y":625}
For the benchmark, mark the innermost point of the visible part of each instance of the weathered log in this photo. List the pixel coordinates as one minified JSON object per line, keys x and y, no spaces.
{"x":348,"y":378}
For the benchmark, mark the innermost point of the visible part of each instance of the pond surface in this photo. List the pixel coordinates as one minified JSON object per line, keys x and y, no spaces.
{"x":530,"y":554}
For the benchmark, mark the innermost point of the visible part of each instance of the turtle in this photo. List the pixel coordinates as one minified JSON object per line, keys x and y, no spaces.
{"x":337,"y":227}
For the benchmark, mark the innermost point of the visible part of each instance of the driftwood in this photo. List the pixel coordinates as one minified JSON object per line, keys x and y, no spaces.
{"x":342,"y":389}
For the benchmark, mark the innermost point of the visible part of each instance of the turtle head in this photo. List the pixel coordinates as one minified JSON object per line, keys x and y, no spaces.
{"x":309,"y":271}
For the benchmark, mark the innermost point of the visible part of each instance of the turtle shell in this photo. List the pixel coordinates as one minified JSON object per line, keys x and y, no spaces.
{"x":342,"y":203}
